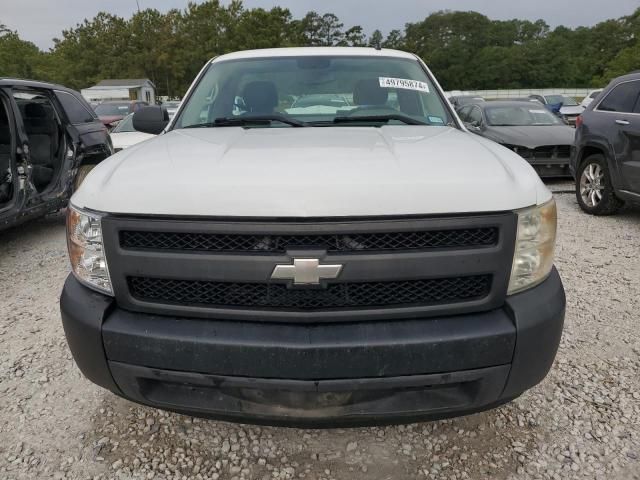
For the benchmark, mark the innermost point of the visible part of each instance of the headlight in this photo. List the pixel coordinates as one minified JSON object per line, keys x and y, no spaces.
{"x":86,"y":251}
{"x":535,"y":245}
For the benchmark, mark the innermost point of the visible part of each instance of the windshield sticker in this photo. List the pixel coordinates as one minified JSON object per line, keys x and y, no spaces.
{"x":436,"y":120}
{"x":404,"y":84}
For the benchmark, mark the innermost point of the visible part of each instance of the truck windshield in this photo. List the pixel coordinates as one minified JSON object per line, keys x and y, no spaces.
{"x":314,"y":91}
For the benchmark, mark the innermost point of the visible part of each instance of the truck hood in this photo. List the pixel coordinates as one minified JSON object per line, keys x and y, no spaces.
{"x":312,"y":172}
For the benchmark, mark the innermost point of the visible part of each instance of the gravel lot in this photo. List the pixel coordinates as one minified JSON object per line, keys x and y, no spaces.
{"x":583,"y":421}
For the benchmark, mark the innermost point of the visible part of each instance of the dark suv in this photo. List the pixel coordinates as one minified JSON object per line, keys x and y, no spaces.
{"x":50,"y":138}
{"x":605,"y":161}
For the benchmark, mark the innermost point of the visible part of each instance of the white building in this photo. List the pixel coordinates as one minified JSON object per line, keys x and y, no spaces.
{"x":141,"y":89}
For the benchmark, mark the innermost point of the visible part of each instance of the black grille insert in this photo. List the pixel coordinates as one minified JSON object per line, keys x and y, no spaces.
{"x":354,"y":242}
{"x":552,"y":151}
{"x":339,"y":295}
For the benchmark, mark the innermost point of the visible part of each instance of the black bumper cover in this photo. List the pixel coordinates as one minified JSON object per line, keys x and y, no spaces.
{"x":317,"y":375}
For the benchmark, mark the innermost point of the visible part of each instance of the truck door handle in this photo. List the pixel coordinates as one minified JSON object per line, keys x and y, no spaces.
{"x":622,"y":122}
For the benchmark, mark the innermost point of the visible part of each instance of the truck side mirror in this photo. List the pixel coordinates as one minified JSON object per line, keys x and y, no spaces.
{"x":151,"y":120}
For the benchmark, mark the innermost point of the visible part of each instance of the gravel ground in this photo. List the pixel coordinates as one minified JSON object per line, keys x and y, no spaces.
{"x":583,"y":421}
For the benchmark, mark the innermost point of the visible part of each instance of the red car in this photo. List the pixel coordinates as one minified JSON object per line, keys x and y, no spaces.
{"x":111,"y":112}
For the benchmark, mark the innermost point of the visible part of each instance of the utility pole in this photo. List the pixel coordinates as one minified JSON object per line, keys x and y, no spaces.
{"x":138,"y":4}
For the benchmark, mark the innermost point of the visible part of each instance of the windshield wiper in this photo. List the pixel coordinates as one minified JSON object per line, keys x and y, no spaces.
{"x":249,"y":120}
{"x":380,"y":118}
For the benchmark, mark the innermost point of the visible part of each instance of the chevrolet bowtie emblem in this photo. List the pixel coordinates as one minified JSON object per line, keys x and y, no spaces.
{"x":306,"y":271}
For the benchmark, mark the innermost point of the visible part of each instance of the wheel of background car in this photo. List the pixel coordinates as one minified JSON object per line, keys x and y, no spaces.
{"x":83,"y":171}
{"x":594,"y":190}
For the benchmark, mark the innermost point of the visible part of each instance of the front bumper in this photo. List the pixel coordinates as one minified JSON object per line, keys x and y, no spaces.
{"x":317,"y":375}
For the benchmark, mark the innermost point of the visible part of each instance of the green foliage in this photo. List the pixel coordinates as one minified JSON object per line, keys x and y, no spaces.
{"x":18,"y":58}
{"x":376,"y":39}
{"x":466,"y":50}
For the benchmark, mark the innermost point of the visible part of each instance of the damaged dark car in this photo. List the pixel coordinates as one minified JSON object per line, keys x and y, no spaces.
{"x":528,"y":129}
{"x":50,"y":139}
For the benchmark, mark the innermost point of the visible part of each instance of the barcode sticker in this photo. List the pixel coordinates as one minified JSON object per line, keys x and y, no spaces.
{"x":404,"y":83}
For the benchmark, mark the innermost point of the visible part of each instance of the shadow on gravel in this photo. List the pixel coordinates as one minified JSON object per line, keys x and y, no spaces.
{"x":630,"y":213}
{"x":136,"y":441}
{"x":33,"y":229}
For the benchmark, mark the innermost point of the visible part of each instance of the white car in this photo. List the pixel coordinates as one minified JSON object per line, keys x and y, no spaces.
{"x":590,"y":98}
{"x":371,"y":265}
{"x":570,"y":108}
{"x":125,"y":136}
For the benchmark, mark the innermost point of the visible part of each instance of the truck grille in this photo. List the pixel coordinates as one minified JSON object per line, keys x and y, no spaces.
{"x":339,"y":295}
{"x":402,"y":267}
{"x":351,"y":242}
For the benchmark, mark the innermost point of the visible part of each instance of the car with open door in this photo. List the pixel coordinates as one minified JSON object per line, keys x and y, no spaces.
{"x":50,"y":138}
{"x":606,"y":160}
{"x":528,"y":129}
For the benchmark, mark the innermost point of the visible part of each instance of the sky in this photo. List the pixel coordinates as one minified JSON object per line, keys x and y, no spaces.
{"x":39,"y":21}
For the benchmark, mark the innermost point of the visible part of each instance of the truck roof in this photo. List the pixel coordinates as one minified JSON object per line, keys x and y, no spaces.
{"x":314,"y":51}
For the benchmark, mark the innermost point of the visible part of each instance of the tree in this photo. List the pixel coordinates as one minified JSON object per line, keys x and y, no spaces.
{"x":311,"y":29}
{"x":395,"y":39}
{"x":258,"y":28}
{"x":375,"y":40}
{"x":94,"y":50}
{"x":626,"y":61}
{"x":18,"y":58}
{"x":331,"y":30}
{"x":466,"y":50}
{"x":316,"y":30}
{"x":354,"y":37}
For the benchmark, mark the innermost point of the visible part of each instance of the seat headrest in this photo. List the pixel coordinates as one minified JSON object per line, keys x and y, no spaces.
{"x":35,"y":110}
{"x":369,"y":92}
{"x":260,"y":97}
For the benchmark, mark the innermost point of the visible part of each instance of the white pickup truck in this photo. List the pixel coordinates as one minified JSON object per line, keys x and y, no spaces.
{"x":313,"y":240}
